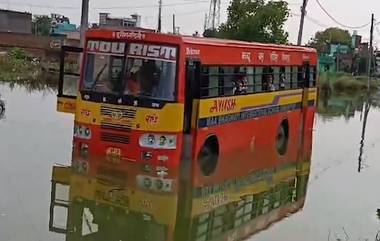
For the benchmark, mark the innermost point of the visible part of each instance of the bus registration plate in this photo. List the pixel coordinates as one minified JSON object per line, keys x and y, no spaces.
{"x":113,"y":155}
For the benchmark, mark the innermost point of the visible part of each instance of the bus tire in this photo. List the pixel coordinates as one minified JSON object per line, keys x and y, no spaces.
{"x":282,"y":137}
{"x":208,"y":156}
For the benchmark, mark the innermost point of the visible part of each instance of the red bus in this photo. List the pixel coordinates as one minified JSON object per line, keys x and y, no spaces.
{"x":220,"y":113}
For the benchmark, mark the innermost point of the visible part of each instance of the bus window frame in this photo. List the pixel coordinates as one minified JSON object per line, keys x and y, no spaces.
{"x":121,"y":94}
{"x":293,"y":83}
{"x":61,"y":79}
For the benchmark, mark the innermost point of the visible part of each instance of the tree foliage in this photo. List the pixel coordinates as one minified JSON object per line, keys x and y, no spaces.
{"x":256,"y":20}
{"x":41,"y":25}
{"x":323,"y":39}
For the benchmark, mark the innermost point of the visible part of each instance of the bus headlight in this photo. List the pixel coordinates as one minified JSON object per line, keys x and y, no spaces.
{"x":82,"y":132}
{"x":151,"y":140}
{"x":157,"y":141}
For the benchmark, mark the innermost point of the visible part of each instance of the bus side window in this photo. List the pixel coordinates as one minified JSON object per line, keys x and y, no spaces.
{"x":300,"y":77}
{"x":213,"y":81}
{"x":276,"y":77}
{"x":250,"y":79}
{"x":288,"y":77}
{"x":204,"y":92}
{"x":294,"y":83}
{"x":227,"y":84}
{"x":258,"y":85}
{"x":313,"y":76}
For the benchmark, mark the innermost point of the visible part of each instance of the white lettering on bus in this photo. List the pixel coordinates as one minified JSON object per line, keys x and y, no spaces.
{"x":106,"y":47}
{"x":261,"y":57}
{"x":286,"y":58}
{"x":154,"y":51}
{"x":274,"y":57}
{"x":191,"y":51}
{"x":246,"y":56}
{"x":128,"y":35}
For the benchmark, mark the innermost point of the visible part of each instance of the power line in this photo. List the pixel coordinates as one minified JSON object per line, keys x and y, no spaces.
{"x":311,"y":19}
{"x":336,"y":21}
{"x":154,"y":5}
{"x":109,"y":8}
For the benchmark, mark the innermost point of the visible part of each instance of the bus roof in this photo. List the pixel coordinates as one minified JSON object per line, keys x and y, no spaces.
{"x":243,"y":44}
{"x":149,"y":35}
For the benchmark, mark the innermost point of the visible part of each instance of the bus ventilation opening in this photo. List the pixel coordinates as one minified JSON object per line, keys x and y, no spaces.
{"x":283,"y":138}
{"x":208,"y":156}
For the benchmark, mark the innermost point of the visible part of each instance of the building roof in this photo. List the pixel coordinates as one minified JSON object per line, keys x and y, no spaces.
{"x":237,"y":43}
{"x":16,"y":12}
{"x":211,"y":41}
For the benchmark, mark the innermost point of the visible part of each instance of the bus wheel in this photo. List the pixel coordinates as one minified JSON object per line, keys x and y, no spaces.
{"x":282,"y":138}
{"x":208,"y":156}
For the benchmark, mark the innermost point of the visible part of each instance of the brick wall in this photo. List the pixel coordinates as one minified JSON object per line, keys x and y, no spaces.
{"x":37,"y":46}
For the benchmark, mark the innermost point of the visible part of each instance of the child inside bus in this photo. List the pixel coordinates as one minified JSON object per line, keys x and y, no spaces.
{"x":268,"y":84}
{"x":240,"y":84}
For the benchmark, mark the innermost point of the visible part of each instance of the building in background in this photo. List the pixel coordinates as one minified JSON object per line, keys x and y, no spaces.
{"x":111,"y":22}
{"x":15,"y":22}
{"x":61,"y":26}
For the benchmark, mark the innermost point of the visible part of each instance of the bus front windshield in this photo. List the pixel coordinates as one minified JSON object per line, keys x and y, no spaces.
{"x":150,"y":78}
{"x":134,"y":74}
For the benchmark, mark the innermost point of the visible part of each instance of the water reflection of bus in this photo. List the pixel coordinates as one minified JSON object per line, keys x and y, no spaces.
{"x":223,"y":121}
{"x":103,"y":202}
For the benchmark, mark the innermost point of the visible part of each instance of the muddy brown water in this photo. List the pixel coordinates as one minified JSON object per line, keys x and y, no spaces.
{"x":341,"y":201}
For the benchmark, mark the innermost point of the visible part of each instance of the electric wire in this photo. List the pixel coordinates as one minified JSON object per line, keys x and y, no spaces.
{"x":336,"y":21}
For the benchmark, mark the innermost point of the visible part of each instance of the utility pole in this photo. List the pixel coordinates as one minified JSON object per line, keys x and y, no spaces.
{"x":302,"y":21}
{"x":84,"y":21}
{"x":370,"y":54}
{"x":205,"y":23}
{"x":214,"y":15}
{"x":174,"y":31}
{"x":159,"y":15}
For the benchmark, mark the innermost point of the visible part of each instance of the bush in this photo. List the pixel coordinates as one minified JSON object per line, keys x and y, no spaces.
{"x":17,"y":53}
{"x":343,"y":82}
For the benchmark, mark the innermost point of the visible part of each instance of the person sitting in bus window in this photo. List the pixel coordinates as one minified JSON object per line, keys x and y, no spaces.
{"x":132,"y":85}
{"x":271,"y":86}
{"x":240,"y":85}
{"x":150,"y":77}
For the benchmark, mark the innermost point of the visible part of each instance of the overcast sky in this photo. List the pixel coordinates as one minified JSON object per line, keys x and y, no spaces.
{"x":191,"y":13}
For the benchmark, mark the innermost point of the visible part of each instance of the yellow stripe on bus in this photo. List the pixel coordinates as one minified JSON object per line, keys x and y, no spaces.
{"x":234,"y":104}
{"x":206,"y":204}
{"x":167,"y":119}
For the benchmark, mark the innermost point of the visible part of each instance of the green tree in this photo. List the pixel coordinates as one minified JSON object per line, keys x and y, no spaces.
{"x":256,"y":20}
{"x":41,"y":25}
{"x":323,"y":39}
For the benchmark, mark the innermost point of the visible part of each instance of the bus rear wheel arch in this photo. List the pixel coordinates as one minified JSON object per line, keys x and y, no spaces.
{"x":282,"y":137}
{"x":208,"y":156}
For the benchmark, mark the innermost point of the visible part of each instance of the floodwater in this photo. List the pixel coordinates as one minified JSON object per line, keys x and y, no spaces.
{"x":342,"y":195}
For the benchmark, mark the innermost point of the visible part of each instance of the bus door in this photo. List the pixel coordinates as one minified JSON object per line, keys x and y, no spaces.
{"x":192,"y":92}
{"x":59,"y":203}
{"x":69,"y":74}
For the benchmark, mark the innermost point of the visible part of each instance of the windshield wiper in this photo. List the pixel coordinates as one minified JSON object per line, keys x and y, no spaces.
{"x":98,"y":76}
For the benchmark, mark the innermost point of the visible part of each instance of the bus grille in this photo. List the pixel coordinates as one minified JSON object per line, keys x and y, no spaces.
{"x":110,"y":137}
{"x":114,"y":127}
{"x":124,"y":113}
